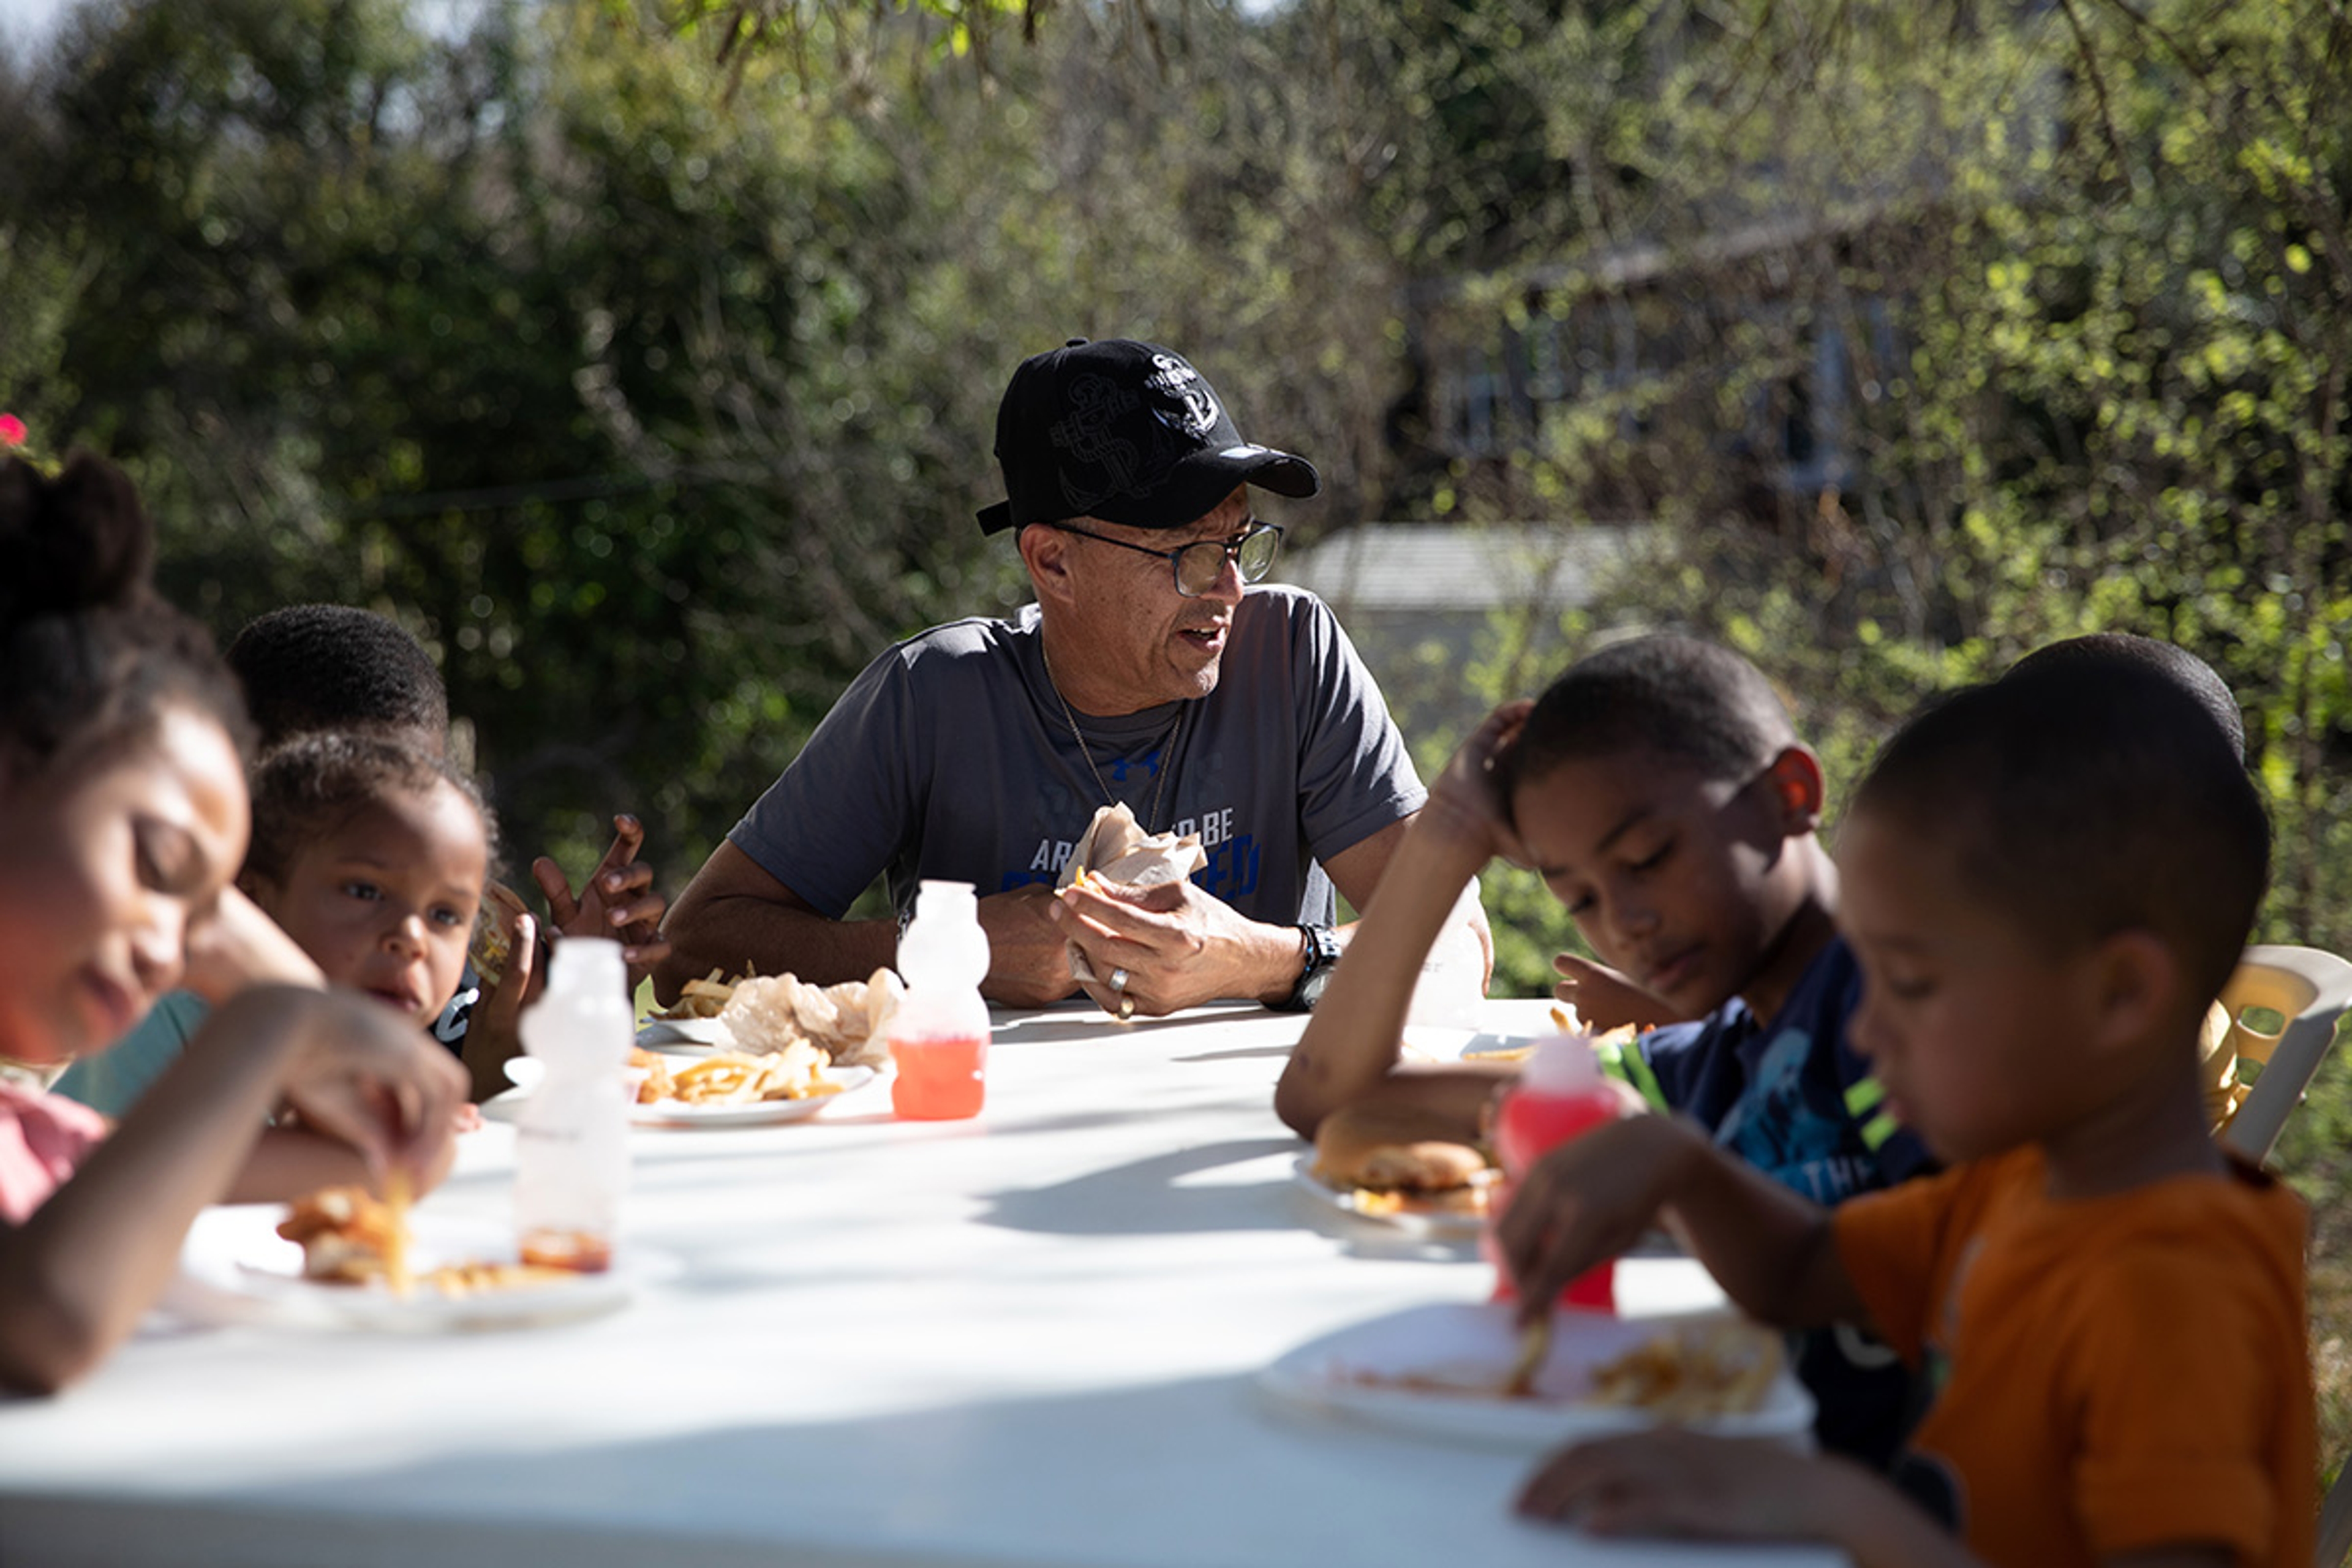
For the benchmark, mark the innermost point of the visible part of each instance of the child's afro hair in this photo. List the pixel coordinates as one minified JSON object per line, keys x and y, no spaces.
{"x":334,"y":667}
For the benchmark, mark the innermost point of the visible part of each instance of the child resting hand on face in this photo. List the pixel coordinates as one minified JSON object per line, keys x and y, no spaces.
{"x":1662,"y":791}
{"x":123,"y":783}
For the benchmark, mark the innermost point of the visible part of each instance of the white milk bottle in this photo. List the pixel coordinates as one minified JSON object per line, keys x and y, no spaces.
{"x":572,"y":1153}
{"x":1452,"y":989}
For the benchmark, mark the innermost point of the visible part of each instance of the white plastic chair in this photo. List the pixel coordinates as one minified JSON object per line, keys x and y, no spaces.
{"x":2309,"y":990}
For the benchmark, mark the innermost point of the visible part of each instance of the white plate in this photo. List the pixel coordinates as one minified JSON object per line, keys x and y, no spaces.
{"x":756,"y":1113}
{"x":1438,"y":1225}
{"x":683,"y":1036}
{"x":1476,"y":1345}
{"x":524,"y":1071}
{"x":1487,"y":1042}
{"x":236,"y":1268}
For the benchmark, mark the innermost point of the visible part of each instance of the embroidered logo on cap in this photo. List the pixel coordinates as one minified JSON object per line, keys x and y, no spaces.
{"x":1194,"y":412}
{"x":1089,"y":434}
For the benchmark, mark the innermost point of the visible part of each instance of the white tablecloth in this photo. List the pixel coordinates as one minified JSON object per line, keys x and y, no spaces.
{"x":1026,"y":1339}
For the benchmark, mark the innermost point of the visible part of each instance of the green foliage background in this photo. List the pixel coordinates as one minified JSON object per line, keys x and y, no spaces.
{"x":643,"y":358}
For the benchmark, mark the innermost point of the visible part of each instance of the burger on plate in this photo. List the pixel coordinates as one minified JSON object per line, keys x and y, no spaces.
{"x":1390,"y":1159}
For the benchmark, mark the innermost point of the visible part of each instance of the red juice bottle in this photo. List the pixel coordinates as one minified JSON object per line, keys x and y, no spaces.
{"x":1560,"y":1095}
{"x":939,"y":1036}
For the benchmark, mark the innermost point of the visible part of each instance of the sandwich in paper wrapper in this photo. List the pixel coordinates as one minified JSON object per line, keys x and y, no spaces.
{"x":1114,"y":848}
{"x":768,"y":1014}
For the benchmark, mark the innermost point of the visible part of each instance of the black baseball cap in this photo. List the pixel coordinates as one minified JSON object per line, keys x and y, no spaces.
{"x":1126,"y":432}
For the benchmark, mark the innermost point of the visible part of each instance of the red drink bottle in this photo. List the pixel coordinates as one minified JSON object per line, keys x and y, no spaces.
{"x":1560,"y":1095}
{"x":939,"y":1036}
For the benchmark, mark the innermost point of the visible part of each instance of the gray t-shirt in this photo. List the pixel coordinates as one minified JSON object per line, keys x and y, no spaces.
{"x":950,"y":757}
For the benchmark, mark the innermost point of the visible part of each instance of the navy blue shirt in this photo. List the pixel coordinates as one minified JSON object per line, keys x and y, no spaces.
{"x":1792,"y":1098}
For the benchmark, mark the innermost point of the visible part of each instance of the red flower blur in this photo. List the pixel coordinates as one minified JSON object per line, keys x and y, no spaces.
{"x":12,"y":431}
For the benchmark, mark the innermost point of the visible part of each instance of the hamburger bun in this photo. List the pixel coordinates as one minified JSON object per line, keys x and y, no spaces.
{"x":1386,"y":1149}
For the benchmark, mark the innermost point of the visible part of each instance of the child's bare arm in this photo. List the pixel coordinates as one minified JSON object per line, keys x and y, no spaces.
{"x":1772,"y":1251}
{"x":236,"y":945}
{"x":1675,"y":1483}
{"x":1351,"y":1045}
{"x":76,"y":1277}
{"x":1353,"y":1040}
{"x":288,"y":1163}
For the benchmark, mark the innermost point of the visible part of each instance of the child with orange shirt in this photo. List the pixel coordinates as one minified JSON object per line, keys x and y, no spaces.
{"x":2045,"y":880}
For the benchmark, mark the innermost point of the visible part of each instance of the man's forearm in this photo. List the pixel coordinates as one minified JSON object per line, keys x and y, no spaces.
{"x":1277,"y":958}
{"x":737,"y":933}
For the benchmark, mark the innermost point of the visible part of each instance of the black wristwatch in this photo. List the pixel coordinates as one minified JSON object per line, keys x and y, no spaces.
{"x":1322,"y":953}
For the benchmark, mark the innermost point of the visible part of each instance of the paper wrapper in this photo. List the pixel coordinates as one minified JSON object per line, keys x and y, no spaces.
{"x":489,"y":948}
{"x":772,"y":1012}
{"x":1114,"y":848}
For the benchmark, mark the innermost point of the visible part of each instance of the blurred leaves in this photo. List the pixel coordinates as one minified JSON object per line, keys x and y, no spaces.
{"x":2060,"y":297}
{"x":642,"y":355}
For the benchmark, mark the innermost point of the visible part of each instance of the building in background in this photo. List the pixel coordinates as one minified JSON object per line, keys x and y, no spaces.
{"x":1424,"y":601}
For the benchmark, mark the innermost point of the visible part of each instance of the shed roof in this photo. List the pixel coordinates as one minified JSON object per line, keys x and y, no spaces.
{"x":1459,"y":566}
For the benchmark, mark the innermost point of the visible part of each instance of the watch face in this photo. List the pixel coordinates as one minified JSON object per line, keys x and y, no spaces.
{"x":1310,"y":990}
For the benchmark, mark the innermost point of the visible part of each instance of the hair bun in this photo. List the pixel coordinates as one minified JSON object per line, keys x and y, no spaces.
{"x":80,"y":542}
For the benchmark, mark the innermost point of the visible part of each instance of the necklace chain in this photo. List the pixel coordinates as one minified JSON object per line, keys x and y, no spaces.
{"x":1167,"y":744}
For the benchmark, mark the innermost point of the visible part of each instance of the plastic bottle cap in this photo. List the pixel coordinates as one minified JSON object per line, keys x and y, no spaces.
{"x":947,"y":898}
{"x":588,"y":964}
{"x":944,"y":945}
{"x":1564,"y":1064}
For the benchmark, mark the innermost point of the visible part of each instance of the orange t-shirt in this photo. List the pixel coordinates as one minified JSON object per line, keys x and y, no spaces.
{"x":2110,"y":1374}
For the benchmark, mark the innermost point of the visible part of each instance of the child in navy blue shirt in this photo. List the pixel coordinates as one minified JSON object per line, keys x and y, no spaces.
{"x":1661,"y":791}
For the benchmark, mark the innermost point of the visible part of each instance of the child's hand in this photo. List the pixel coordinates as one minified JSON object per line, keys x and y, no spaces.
{"x":1589,"y":1199}
{"x":236,"y":946}
{"x":493,"y":1028}
{"x":1676,"y":1482}
{"x":1605,"y":999}
{"x":617,"y":901}
{"x":366,"y":1077}
{"x":1468,"y":798}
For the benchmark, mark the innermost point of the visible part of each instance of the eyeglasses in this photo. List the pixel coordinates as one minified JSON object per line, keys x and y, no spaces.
{"x":1201,"y":565}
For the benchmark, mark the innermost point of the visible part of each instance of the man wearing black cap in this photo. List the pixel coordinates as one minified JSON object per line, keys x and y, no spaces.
{"x":979,"y":751}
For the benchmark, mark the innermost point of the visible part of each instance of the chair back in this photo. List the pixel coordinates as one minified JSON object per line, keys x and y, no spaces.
{"x":2298,"y":994}
{"x":2303,"y":992}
